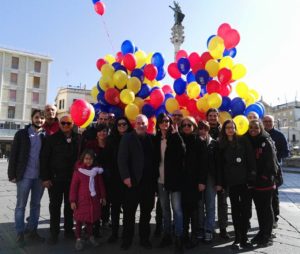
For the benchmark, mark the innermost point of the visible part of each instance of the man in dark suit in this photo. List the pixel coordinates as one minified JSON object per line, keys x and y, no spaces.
{"x":137,"y":170}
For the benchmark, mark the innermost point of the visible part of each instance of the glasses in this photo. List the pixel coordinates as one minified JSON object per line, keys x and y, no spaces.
{"x":165,"y":121}
{"x":177,"y":115}
{"x":103,"y":119}
{"x":65,"y":123}
{"x":230,"y":128}
{"x":122,"y":124}
{"x":187,"y":125}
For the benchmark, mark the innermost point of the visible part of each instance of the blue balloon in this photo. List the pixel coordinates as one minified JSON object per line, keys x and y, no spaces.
{"x":101,"y":99}
{"x":226,"y":102}
{"x":158,"y":60}
{"x":179,"y":86}
{"x":237,"y":106}
{"x":120,"y":67}
{"x":230,"y":52}
{"x":203,"y":90}
{"x":209,"y":38}
{"x":104,"y":108}
{"x":161,"y":73}
{"x":98,"y":86}
{"x":148,"y":110}
{"x":183,"y":65}
{"x":160,"y":110}
{"x":262,"y":107}
{"x":116,"y":110}
{"x":144,"y":92}
{"x":95,"y":1}
{"x":116,"y":65}
{"x":168,"y":96}
{"x":138,"y":73}
{"x":127,"y":47}
{"x":136,"y":48}
{"x":202,"y":77}
{"x":254,"y":108}
{"x":190,"y":77}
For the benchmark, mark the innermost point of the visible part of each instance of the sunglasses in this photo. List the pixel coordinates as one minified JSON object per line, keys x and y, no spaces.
{"x":65,"y":123}
{"x":177,"y":115}
{"x":122,"y":124}
{"x":187,"y":125}
{"x":165,"y":121}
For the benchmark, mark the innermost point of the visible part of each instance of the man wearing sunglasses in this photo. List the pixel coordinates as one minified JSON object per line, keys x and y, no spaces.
{"x":57,"y":162}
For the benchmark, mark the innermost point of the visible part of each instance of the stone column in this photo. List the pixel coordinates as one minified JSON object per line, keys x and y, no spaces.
{"x":177,"y":37}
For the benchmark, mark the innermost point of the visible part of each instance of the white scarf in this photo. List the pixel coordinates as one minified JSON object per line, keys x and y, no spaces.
{"x":91,"y":173}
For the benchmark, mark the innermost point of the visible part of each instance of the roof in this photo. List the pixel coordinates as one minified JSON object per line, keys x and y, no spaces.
{"x":26,"y":53}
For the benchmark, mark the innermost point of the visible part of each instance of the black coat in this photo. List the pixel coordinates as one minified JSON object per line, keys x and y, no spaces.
{"x":282,"y":147}
{"x":58,"y":157}
{"x":20,"y":153}
{"x":237,"y":162}
{"x":174,"y":161}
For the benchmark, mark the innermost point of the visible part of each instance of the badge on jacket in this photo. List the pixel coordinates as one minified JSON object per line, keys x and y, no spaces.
{"x":238,"y":160}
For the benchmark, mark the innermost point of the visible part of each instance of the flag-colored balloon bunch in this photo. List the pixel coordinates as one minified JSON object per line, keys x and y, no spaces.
{"x":82,"y":113}
{"x":99,"y":7}
{"x":204,"y":81}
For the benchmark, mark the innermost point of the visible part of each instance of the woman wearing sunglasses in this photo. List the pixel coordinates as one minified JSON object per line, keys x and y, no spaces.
{"x":114,"y":183}
{"x":238,"y":168}
{"x":195,"y":171}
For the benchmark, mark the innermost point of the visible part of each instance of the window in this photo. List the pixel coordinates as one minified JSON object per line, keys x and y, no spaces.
{"x":37,"y":66}
{"x":11,"y":112}
{"x":294,"y":138}
{"x":12,"y":95}
{"x":14,"y":78}
{"x":61,"y":104}
{"x":36,"y":82}
{"x":15,"y":62}
{"x":35,"y":98}
{"x":1,"y":125}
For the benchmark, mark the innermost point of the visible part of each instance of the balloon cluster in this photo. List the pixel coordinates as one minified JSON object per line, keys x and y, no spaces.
{"x":99,"y":7}
{"x":82,"y":113}
{"x":131,"y":83}
{"x":205,"y":81}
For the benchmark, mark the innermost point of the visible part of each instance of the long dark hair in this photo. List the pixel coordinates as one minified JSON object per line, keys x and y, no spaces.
{"x":223,"y":137}
{"x":159,"y":120}
{"x":115,"y":132}
{"x":89,"y":152}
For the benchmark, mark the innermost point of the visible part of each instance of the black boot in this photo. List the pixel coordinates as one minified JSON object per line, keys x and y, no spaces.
{"x":237,"y":239}
{"x":178,"y":245}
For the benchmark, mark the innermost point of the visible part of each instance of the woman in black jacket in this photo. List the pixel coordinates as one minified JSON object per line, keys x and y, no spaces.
{"x":238,"y":169}
{"x":194,"y":178}
{"x":169,"y":151}
{"x":115,"y":186}
{"x":267,"y":168}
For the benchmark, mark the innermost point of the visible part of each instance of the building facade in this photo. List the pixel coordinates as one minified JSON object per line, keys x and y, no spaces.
{"x":23,"y":87}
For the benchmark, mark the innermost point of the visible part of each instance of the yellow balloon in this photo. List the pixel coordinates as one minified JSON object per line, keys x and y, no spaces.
{"x":202,"y":104}
{"x":120,"y":79}
{"x":223,"y":116}
{"x":110,"y":59}
{"x":242,"y":124}
{"x":91,"y":117}
{"x":127,"y":96}
{"x":212,"y":66}
{"x":193,"y":90}
{"x":131,"y":111}
{"x":214,"y":100}
{"x":255,"y":94}
{"x":94,"y":92}
{"x":185,"y":112}
{"x":134,"y":84}
{"x":106,"y":82}
{"x":107,"y":70}
{"x":216,"y":47}
{"x":139,"y":102}
{"x":149,"y":82}
{"x":226,"y":62}
{"x":149,"y":58}
{"x":172,"y":105}
{"x":242,"y":90}
{"x":140,"y":57}
{"x":250,"y":99}
{"x":238,"y":71}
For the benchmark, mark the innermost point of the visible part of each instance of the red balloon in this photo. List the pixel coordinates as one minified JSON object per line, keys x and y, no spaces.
{"x":151,"y":125}
{"x":119,"y":57}
{"x":167,"y":89}
{"x":194,"y":59}
{"x":181,"y":54}
{"x":129,"y":61}
{"x":206,"y":57}
{"x":223,"y":29}
{"x":198,"y":66}
{"x":231,"y":39}
{"x":99,"y":63}
{"x":225,"y":89}
{"x":173,"y":71}
{"x":150,"y":71}
{"x":157,"y":97}
{"x":99,"y":8}
{"x":224,"y":75}
{"x":80,"y":112}
{"x":182,"y":99}
{"x":112,"y":96}
{"x":213,"y":86}
{"x":192,"y":106}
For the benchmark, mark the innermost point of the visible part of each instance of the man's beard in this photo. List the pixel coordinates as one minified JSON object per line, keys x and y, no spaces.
{"x":36,"y":126}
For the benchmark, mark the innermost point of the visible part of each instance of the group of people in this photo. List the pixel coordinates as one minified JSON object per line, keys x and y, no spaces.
{"x":114,"y":166}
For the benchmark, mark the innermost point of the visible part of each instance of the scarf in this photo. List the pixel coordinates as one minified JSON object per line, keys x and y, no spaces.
{"x":91,"y":173}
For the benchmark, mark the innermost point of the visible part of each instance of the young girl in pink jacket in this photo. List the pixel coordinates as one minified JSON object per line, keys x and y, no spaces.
{"x":87,"y":195}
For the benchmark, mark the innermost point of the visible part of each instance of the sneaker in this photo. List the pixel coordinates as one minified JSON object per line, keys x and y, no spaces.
{"x":256,"y":239}
{"x":34,"y":236}
{"x":235,"y":245}
{"x":78,"y":245}
{"x":265,"y":243}
{"x":20,"y":240}
{"x":246,"y":245}
{"x":208,"y":236}
{"x":224,"y":234}
{"x":93,"y":241}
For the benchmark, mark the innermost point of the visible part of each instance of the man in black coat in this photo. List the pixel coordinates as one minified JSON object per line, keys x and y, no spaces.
{"x":137,"y":171}
{"x":57,"y":163}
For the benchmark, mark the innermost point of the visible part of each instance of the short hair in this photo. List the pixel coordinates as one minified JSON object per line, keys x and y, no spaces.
{"x":142,"y":116}
{"x":212,"y":110}
{"x":35,"y":111}
{"x":66,"y":115}
{"x":270,"y":116}
{"x":203,"y":125}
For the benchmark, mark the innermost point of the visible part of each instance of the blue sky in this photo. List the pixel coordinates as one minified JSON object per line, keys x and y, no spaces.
{"x":73,"y":35}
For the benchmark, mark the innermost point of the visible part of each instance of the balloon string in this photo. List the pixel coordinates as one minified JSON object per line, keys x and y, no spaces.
{"x":107,"y":34}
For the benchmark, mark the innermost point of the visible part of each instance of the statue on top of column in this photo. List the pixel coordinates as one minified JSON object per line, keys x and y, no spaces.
{"x":178,"y":15}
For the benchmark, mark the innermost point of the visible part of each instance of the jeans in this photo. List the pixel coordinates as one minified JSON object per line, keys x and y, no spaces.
{"x":207,"y":206}
{"x":23,"y":188}
{"x":175,"y":198}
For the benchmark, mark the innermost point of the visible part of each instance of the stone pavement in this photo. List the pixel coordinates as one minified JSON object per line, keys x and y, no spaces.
{"x":287,"y":240}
